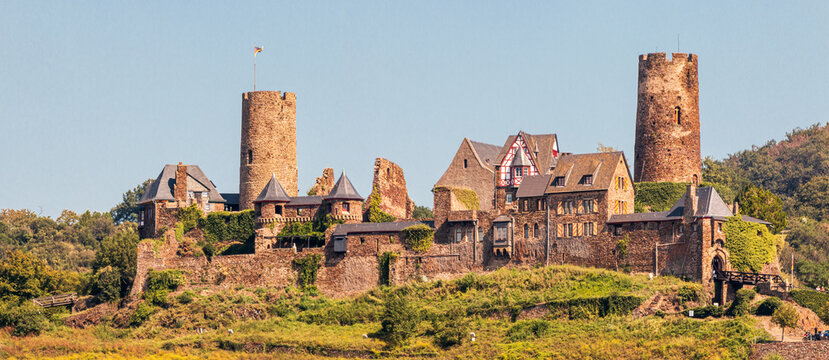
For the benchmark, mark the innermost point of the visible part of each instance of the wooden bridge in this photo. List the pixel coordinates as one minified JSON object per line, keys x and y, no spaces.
{"x":56,"y":300}
{"x":749,"y":278}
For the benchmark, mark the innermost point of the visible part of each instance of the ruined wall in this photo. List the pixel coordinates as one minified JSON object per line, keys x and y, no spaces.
{"x":667,"y":145}
{"x":268,"y":144}
{"x":324,"y":183}
{"x":390,"y":183}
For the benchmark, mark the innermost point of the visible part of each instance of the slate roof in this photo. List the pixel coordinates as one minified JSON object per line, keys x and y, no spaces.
{"x":370,"y":228}
{"x":273,"y":192}
{"x":546,"y":144}
{"x":488,"y":153}
{"x":343,"y":190}
{"x":305,"y":201}
{"x":532,"y":186}
{"x":231,"y":198}
{"x":162,"y":188}
{"x":709,"y":204}
{"x":573,"y":167}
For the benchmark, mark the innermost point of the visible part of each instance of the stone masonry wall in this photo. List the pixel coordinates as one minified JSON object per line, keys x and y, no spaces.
{"x":667,"y":148}
{"x":390,"y":183}
{"x":473,"y":176}
{"x":268,"y":144}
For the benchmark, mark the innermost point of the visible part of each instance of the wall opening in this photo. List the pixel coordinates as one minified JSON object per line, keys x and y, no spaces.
{"x":464,"y":163}
{"x":678,"y":115}
{"x":250,"y":156}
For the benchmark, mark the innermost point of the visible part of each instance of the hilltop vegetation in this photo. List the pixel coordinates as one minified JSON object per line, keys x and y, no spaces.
{"x":545,"y":312}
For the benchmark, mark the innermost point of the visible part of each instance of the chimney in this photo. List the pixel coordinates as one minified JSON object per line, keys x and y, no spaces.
{"x":736,"y":208}
{"x":180,"y":188}
{"x":690,"y":203}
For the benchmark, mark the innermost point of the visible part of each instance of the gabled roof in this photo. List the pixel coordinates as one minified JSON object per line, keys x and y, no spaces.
{"x":343,"y":190}
{"x":273,"y":192}
{"x":369,"y":228}
{"x":533,"y":186}
{"x":573,"y":168}
{"x":231,"y":198}
{"x":546,"y":144}
{"x":487,"y":153}
{"x":162,"y":188}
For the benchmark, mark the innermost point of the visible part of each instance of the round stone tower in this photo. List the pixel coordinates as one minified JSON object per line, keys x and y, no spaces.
{"x":268,"y":144}
{"x":667,"y":119}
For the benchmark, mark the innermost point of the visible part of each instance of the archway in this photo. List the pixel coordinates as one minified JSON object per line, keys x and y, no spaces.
{"x":717,"y":264}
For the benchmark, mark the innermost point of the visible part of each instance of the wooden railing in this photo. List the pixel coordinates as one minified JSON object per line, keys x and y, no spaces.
{"x":748,"y":278}
{"x":56,"y":300}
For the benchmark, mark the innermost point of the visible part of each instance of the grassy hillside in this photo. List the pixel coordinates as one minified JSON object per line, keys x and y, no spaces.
{"x":553,"y":312}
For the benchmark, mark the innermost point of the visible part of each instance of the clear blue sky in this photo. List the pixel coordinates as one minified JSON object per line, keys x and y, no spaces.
{"x":95,"y":97}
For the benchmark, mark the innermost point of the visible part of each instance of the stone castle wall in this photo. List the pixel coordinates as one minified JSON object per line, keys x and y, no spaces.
{"x":323,"y":184}
{"x":667,"y":145}
{"x":268,"y":144}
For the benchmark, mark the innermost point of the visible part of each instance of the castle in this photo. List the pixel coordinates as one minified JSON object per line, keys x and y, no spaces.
{"x":523,"y":202}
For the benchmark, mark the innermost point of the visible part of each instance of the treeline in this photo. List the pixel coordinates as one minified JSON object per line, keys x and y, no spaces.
{"x":796,"y":171}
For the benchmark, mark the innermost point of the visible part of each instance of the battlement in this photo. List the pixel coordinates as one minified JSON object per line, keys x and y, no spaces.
{"x":661,"y":57}
{"x":269,"y":94}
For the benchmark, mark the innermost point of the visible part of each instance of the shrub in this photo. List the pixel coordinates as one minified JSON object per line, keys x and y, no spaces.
{"x":399,"y":321}
{"x":815,"y":301}
{"x":25,"y":317}
{"x":419,"y":237}
{"x":159,"y":285}
{"x":768,"y":306}
{"x":703,"y":312}
{"x":450,"y":329}
{"x":588,"y":308}
{"x":307,"y":267}
{"x":141,"y":314}
{"x":742,"y":303}
{"x":529,"y":329}
{"x":189,"y":217}
{"x":186,"y":297}
{"x":688,"y":293}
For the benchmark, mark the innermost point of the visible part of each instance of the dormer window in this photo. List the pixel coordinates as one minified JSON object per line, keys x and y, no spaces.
{"x":587,"y":180}
{"x":558,"y":181}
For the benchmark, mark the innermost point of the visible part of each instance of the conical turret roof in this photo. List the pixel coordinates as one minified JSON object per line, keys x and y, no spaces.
{"x":343,"y":190}
{"x":521,"y":158}
{"x":273,"y":192}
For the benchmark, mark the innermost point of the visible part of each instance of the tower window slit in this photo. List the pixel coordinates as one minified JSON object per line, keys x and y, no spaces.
{"x":250,"y":156}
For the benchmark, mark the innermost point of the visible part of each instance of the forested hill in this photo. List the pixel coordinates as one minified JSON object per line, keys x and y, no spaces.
{"x":795,"y":169}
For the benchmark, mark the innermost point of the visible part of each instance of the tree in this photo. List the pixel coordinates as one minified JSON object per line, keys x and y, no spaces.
{"x":119,"y":252}
{"x":422,"y":212}
{"x":762,"y":204}
{"x":814,"y":198}
{"x":785,"y":316}
{"x":24,"y":277}
{"x":127,"y":210}
{"x":399,"y":321}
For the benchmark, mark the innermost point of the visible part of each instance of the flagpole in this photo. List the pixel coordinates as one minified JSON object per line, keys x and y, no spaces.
{"x":254,"y":71}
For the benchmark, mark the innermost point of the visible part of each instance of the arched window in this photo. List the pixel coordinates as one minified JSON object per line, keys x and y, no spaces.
{"x":526,"y":231}
{"x":677,"y":115}
{"x":535,"y":230}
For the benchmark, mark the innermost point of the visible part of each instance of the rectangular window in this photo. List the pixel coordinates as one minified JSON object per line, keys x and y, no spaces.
{"x":569,"y":207}
{"x":588,"y":206}
{"x":558,"y":181}
{"x":458,"y":235}
{"x":501,"y":233}
{"x":588,"y":229}
{"x":568,"y":230}
{"x":346,"y":207}
{"x":509,"y":198}
{"x":719,"y":227}
{"x":464,"y":163}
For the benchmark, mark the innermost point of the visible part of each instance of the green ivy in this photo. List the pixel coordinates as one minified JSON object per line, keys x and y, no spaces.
{"x":315,"y":228}
{"x":469,"y":198}
{"x":189,"y":217}
{"x":375,"y":214}
{"x":308,"y":267}
{"x":657,"y":196}
{"x":159,"y":285}
{"x":751,"y":245}
{"x":384,"y":262}
{"x":228,"y":226}
{"x":419,"y":237}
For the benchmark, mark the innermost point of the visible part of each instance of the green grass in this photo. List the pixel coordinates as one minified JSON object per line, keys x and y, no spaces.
{"x":292,"y":324}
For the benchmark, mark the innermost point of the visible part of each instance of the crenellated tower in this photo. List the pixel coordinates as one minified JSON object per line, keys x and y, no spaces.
{"x":667,"y":119}
{"x":268,"y":144}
